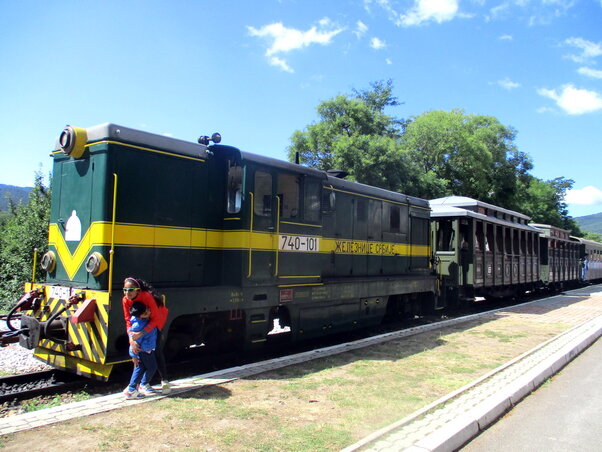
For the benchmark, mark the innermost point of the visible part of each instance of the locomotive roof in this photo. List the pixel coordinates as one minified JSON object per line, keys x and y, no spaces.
{"x":116,"y":132}
{"x":376,"y":192}
{"x":110,"y":131}
{"x":327,"y":179}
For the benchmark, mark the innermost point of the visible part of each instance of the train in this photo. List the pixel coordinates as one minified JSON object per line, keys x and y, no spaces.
{"x":244,"y":248}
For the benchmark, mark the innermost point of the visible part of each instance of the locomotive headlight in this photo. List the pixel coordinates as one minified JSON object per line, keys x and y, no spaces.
{"x":48,"y":262}
{"x":96,"y":264}
{"x":73,"y":141}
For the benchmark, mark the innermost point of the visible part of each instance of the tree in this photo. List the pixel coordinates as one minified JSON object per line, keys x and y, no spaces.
{"x":544,"y":202}
{"x":25,"y":229}
{"x":435,"y":154}
{"x":355,"y":134}
{"x":471,"y":155}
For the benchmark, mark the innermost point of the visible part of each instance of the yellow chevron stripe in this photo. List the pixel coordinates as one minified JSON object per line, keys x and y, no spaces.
{"x":140,"y":235}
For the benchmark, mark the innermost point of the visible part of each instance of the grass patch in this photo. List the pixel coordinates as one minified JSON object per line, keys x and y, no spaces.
{"x":56,"y":400}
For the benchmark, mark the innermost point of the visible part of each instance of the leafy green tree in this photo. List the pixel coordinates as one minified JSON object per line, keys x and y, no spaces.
{"x":25,"y":229}
{"x":471,"y":155}
{"x":544,"y":202}
{"x":355,"y":134}
{"x":438,"y":153}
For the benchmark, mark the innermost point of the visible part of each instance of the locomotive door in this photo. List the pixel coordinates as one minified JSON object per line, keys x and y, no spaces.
{"x":262,"y":220}
{"x":74,"y":212}
{"x":360,"y":236}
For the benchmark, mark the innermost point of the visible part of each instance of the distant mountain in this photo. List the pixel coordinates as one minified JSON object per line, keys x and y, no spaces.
{"x":16,"y":194}
{"x":590,"y":223}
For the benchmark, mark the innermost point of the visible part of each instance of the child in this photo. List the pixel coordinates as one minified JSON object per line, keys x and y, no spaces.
{"x":145,"y":362}
{"x":136,"y":289}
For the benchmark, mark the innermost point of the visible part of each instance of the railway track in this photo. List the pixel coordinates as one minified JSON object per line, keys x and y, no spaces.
{"x":28,"y":386}
{"x":5,"y":337}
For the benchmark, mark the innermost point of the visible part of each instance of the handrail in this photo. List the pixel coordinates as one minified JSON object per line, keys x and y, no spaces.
{"x":35,"y":261}
{"x":252,"y":208}
{"x":112,"y":250}
{"x":277,"y":235}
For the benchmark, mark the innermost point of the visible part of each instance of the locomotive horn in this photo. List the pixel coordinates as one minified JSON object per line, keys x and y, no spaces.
{"x":205,"y":140}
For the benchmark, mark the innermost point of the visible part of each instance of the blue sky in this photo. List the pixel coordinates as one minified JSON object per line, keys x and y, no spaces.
{"x":256,"y":70}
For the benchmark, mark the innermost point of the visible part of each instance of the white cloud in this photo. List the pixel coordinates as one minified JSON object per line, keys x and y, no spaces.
{"x":279,"y":62}
{"x":589,"y":72}
{"x":508,"y":84}
{"x":388,"y":61}
{"x":423,"y":11}
{"x":585,"y":196}
{"x":506,"y":38}
{"x":377,"y":44}
{"x":589,"y":50}
{"x":283,"y":40}
{"x":534,"y":12}
{"x":361,"y":29}
{"x":574,"y":101}
{"x":430,"y":10}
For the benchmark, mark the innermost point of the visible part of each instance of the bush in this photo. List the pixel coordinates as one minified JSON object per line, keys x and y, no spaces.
{"x":25,"y":228}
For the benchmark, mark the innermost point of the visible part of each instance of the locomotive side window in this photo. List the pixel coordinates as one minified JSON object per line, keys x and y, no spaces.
{"x":361,"y":210}
{"x":394,"y":219}
{"x":312,"y":200}
{"x":328,"y":200}
{"x":263,"y":194}
{"x":234,"y":192}
{"x":288,"y":192}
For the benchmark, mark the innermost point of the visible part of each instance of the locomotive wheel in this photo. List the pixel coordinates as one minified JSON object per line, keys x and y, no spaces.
{"x":175,"y":345}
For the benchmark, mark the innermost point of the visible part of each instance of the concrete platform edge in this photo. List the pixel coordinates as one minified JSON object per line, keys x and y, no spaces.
{"x":453,"y":435}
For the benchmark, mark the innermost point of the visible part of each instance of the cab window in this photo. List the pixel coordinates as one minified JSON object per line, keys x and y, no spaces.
{"x":312,"y":200}
{"x":288,"y":192}
{"x":263,"y":194}
{"x":234,"y":192}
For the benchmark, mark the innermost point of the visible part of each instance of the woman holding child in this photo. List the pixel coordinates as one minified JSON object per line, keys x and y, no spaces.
{"x":138,"y":290}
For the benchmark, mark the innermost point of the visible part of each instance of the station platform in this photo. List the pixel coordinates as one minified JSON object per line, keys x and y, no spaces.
{"x":447,"y":424}
{"x":452,"y":421}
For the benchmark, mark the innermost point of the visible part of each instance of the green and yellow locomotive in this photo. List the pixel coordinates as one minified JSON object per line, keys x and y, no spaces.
{"x":234,"y":241}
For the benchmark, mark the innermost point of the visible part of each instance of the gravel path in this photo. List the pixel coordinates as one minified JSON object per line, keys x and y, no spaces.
{"x":15,"y":359}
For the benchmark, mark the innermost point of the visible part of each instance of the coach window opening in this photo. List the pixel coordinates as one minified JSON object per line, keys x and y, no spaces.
{"x":523,"y":243}
{"x":464,"y":235}
{"x":445,"y":236}
{"x":515,"y":242}
{"x":489,"y":240}
{"x":499,"y":240}
{"x":479,"y":237}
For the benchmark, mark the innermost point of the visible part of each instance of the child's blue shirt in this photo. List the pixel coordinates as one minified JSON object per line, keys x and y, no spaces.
{"x":148,"y":341}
